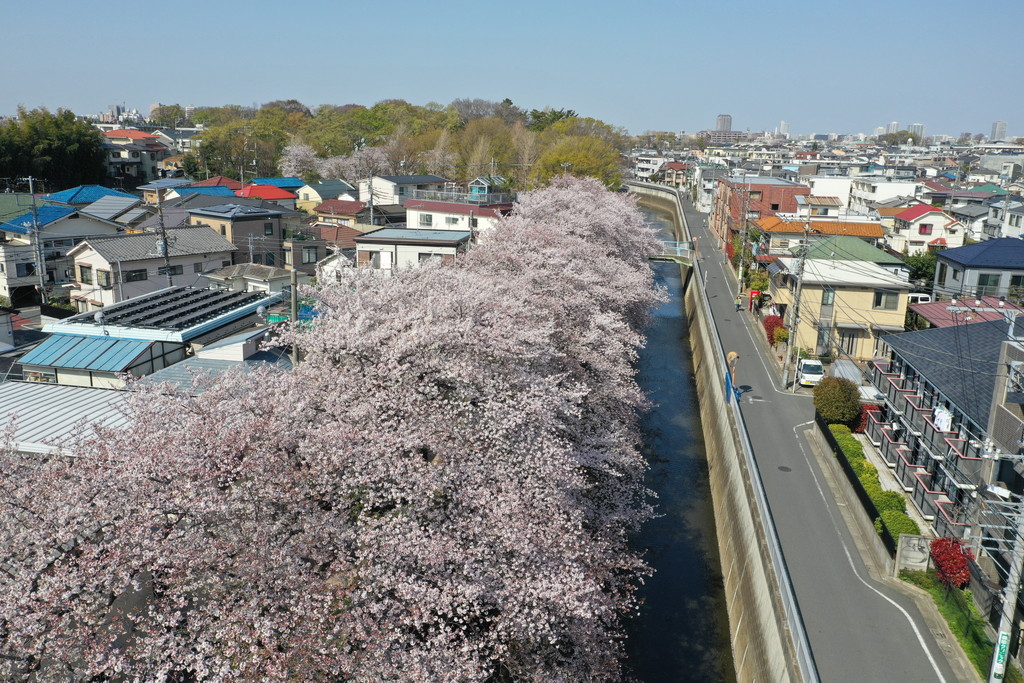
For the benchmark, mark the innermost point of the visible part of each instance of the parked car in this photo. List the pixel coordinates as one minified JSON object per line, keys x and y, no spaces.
{"x":809,"y":372}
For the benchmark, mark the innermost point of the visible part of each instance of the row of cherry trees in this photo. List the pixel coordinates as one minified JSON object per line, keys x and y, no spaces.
{"x":442,"y":490}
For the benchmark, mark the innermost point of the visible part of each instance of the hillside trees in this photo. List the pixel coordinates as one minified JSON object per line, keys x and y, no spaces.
{"x":56,"y":148}
{"x":442,"y":490}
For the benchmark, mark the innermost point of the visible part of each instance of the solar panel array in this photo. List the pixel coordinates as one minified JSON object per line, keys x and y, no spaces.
{"x":178,"y":308}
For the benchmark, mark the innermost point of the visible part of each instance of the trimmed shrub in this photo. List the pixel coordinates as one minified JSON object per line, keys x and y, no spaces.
{"x":771,"y":324}
{"x":890,"y":500}
{"x":837,"y":400}
{"x":781,"y":335}
{"x":839,"y":429}
{"x":898,"y":523}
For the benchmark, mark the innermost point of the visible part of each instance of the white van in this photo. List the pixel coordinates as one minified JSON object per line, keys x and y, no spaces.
{"x":809,"y":372}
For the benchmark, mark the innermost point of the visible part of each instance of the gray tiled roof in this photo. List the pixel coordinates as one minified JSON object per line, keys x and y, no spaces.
{"x":143,"y":246}
{"x":961,"y":361}
{"x":111,"y":206}
{"x":235,"y":211}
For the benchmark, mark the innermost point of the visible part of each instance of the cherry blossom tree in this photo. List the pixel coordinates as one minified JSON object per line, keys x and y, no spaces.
{"x":442,"y":490}
{"x":299,"y":160}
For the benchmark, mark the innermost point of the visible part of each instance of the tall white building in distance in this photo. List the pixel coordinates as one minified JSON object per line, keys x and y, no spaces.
{"x":893,"y":127}
{"x":783,"y":129}
{"x":916,"y":129}
{"x":723,"y":122}
{"x":998,"y":131}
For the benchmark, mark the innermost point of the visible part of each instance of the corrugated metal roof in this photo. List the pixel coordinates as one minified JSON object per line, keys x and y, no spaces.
{"x":133,"y":215}
{"x":47,"y":414}
{"x":99,"y":354}
{"x":283,"y":182}
{"x":182,"y":374}
{"x":111,"y":206}
{"x":85,"y":194}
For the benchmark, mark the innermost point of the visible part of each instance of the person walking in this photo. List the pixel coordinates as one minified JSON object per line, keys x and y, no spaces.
{"x":739,"y":302}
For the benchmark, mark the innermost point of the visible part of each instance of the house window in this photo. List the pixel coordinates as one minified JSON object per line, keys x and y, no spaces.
{"x":783,"y":244}
{"x":925,"y":229}
{"x":197,"y":267}
{"x":223,"y":231}
{"x":775,"y":207}
{"x":135,"y":155}
{"x":472,"y":222}
{"x":171,"y":270}
{"x":136,"y":275}
{"x":268,"y":228}
{"x":988,"y":284}
{"x":345,"y":221}
{"x":426,"y":256}
{"x":451,"y":220}
{"x":886,"y":301}
{"x":955,"y":273}
{"x":426,"y":220}
{"x":941,"y":279}
{"x":309,"y":254}
{"x":288,"y":257}
{"x":755,"y":196}
{"x":270,"y":260}
{"x":305,"y":196}
{"x":103,"y":278}
{"x":85,"y":275}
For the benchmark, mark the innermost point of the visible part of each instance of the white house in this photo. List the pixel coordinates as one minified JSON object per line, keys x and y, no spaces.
{"x":112,"y":269}
{"x":395,"y":189}
{"x":428,"y":215}
{"x":253,"y":277}
{"x":390,"y":248}
{"x":923,"y":227}
{"x":868,"y":190}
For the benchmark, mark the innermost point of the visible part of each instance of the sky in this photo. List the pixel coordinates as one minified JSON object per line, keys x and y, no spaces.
{"x":823,"y":66}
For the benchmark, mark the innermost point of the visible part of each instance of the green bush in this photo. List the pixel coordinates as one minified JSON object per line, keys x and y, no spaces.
{"x":837,"y":400}
{"x":890,"y":500}
{"x":839,"y":429}
{"x":898,"y":523}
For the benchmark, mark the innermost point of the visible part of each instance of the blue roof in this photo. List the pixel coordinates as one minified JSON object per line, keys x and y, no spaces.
{"x":284,"y":183}
{"x":215,"y":190}
{"x":1005,"y":252}
{"x":85,"y":194}
{"x":99,"y":354}
{"x":45,"y":215}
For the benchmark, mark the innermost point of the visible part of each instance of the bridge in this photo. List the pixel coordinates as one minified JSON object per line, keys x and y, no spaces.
{"x":677,"y":252}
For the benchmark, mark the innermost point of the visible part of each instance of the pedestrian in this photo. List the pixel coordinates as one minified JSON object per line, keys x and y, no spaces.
{"x":739,"y":302}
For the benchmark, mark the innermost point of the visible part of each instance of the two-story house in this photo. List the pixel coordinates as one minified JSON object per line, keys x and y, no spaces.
{"x":923,"y":227}
{"x":479,"y":220}
{"x":845,"y":306}
{"x":112,"y":269}
{"x":390,"y":248}
{"x":395,"y":189}
{"x":1005,"y":218}
{"x":989,"y":268}
{"x":256,"y":232}
{"x":311,"y":195}
{"x":133,"y":157}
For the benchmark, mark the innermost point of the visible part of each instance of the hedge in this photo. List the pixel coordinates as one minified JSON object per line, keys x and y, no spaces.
{"x":891,"y":505}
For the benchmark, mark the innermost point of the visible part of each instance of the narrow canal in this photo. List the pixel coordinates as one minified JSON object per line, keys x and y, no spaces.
{"x":681,"y":633}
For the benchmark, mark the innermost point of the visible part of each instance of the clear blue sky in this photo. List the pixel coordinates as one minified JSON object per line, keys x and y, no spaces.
{"x":823,"y":66}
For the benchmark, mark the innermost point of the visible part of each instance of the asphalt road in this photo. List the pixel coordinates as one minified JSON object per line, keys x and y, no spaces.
{"x":859,"y":629}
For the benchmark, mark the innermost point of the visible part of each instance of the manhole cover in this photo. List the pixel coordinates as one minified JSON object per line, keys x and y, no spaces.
{"x":783,"y":468}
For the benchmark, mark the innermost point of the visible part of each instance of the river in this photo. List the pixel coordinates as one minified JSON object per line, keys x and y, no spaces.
{"x":681,"y":632}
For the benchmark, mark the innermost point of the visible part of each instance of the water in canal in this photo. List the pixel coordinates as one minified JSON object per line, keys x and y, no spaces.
{"x":681,"y":633}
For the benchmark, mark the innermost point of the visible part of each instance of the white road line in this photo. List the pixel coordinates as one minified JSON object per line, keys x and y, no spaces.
{"x":849,"y":557}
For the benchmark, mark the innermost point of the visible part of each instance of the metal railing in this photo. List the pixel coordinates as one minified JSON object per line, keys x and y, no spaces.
{"x":805,"y":665}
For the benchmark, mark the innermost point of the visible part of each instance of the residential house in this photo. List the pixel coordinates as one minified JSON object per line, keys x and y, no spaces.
{"x":101,"y":362}
{"x":1005,"y":218}
{"x":818,"y":207}
{"x":869,"y":190}
{"x":390,"y":248}
{"x":290,"y":183}
{"x":486,"y":190}
{"x":113,"y":269}
{"x":395,"y":189}
{"x":253,"y":277}
{"x":125,"y":211}
{"x":387,"y":215}
{"x":155,"y":192}
{"x":313,"y":194}
{"x":749,"y":198}
{"x":990,"y":268}
{"x":84,"y":194}
{"x":479,"y":220}
{"x":845,"y":306}
{"x":302,"y":250}
{"x":60,"y":228}
{"x":781,"y":235}
{"x":243,"y":350}
{"x":645,"y":166}
{"x":923,"y":227}
{"x":270,"y":193}
{"x":338,"y":212}
{"x":944,"y":313}
{"x":849,"y":248}
{"x":223,"y":191}
{"x":257,"y":232}
{"x":973,"y":216}
{"x":133,"y":157}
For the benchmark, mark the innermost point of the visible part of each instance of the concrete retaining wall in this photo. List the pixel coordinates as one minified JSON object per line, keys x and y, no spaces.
{"x":768,"y":640}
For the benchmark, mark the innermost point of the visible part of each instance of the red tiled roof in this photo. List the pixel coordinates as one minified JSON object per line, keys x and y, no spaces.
{"x":937,"y":186}
{"x":340,"y":206}
{"x":939,"y":315}
{"x":265,"y":192}
{"x":128,"y":133}
{"x":915,"y":212}
{"x":219,"y":180}
{"x":676,"y":166}
{"x":493,"y":211}
{"x":341,"y":236}
{"x":938,"y":242}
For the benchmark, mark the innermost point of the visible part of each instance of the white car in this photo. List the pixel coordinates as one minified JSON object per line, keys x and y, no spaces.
{"x":809,"y":372}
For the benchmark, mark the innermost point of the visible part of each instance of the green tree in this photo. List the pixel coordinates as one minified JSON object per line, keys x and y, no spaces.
{"x":581,"y":157}
{"x":541,"y":119}
{"x":58,"y":149}
{"x":837,"y":400}
{"x":922,"y":266}
{"x":169,"y":116}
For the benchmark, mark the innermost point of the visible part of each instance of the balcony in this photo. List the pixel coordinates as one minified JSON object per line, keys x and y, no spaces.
{"x":935,"y":439}
{"x":951,"y":520}
{"x":880,"y":373}
{"x":480,"y":198}
{"x":896,"y":394}
{"x":966,"y":457}
{"x":890,"y":444}
{"x":907,"y":469}
{"x":916,"y":413}
{"x":875,"y":426}
{"x":925,"y":497}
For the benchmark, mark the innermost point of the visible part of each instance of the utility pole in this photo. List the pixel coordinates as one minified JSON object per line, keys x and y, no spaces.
{"x":251,"y":238}
{"x":743,"y":238}
{"x":164,"y":247}
{"x":794,"y":346}
{"x":295,"y":312}
{"x":37,"y":240}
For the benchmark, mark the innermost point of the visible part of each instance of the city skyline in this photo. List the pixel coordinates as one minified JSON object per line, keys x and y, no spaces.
{"x":423,"y":54}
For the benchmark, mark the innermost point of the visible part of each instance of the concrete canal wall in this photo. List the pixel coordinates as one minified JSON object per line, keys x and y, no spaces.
{"x":768,"y":640}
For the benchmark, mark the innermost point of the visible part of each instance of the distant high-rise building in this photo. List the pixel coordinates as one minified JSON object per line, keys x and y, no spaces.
{"x":893,"y":127}
{"x":916,"y":129}
{"x":998,"y":131}
{"x":880,"y":131}
{"x":189,"y":110}
{"x":783,"y":129}
{"x":723,"y":122}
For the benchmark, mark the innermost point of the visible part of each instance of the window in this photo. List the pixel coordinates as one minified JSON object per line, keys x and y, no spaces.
{"x":135,"y":155}
{"x":924,"y":229}
{"x":345,"y":221}
{"x":288,"y":257}
{"x":472,"y":222}
{"x":309,"y":254}
{"x":426,"y":220}
{"x":223,"y":231}
{"x":103,"y":278}
{"x":451,"y":220}
{"x":988,"y":284}
{"x":783,"y":244}
{"x":171,"y":270}
{"x":268,"y":228}
{"x":955,"y":273}
{"x":305,"y":196}
{"x":886,"y":301}
{"x":755,"y":196}
{"x":775,"y":207}
{"x":84,"y":275}
{"x":425,"y":256}
{"x":197,"y":267}
{"x":828,"y":296}
{"x":136,"y":275}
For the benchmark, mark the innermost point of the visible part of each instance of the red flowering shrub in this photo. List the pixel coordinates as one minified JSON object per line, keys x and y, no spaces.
{"x":772,"y":323}
{"x":951,"y":561}
{"x":861,"y":424}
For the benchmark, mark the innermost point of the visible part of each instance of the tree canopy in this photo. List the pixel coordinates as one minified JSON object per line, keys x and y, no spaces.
{"x":58,"y":149}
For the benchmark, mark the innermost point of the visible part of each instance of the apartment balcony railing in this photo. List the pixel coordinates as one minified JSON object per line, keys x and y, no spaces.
{"x":880,"y":373}
{"x":463,"y":197}
{"x":934,"y":439}
{"x":925,"y":497}
{"x":875,"y":426}
{"x":965,"y":456}
{"x":895,"y":393}
{"x":890,"y":443}
{"x":916,"y":413}
{"x":907,"y":468}
{"x":950,"y":522}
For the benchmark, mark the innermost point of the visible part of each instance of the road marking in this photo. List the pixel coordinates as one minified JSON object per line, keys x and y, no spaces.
{"x":849,"y":557}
